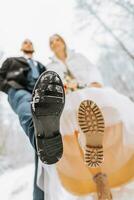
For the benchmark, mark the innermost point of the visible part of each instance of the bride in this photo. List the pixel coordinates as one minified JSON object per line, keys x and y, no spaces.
{"x":97,"y":126}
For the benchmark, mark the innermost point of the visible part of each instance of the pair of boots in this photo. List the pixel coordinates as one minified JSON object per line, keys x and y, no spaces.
{"x":48,"y":100}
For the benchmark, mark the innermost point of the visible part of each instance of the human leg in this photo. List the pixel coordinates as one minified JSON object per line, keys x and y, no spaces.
{"x":20,"y":103}
{"x":38,"y":194}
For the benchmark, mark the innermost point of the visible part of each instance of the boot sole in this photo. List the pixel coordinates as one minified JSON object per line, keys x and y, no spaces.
{"x":92,"y":125}
{"x":46,"y":118}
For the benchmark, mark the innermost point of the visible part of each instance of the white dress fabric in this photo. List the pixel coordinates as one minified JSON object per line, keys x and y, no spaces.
{"x":115,"y":107}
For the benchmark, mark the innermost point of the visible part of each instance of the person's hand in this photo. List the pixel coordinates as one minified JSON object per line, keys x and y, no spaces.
{"x":96,"y":84}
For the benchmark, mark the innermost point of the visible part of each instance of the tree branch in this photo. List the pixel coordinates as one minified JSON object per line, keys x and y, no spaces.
{"x":108,"y":29}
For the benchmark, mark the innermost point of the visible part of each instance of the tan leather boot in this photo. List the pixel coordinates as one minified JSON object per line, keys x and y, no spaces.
{"x":103,"y":190}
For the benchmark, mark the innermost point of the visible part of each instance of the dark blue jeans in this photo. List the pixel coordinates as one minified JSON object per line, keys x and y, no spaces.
{"x":20,"y":103}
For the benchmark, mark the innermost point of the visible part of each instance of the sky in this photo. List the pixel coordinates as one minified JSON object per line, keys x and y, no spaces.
{"x":37,"y":20}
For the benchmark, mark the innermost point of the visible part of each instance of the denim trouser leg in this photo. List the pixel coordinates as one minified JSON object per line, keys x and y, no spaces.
{"x":20,"y":103}
{"x":38,"y":194}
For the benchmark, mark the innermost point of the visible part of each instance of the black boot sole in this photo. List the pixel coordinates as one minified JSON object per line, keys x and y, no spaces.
{"x":46,"y":116}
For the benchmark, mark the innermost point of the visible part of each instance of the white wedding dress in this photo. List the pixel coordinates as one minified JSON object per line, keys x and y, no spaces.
{"x":58,"y":180}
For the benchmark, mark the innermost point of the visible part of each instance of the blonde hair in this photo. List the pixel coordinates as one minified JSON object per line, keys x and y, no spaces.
{"x":60,"y":37}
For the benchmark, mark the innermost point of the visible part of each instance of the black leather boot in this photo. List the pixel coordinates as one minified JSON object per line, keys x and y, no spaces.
{"x":48,"y":101}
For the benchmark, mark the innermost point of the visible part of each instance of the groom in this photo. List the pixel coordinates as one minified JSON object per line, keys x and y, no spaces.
{"x":37,"y":97}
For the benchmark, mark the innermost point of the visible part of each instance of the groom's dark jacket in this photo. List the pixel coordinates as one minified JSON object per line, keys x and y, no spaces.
{"x":13,"y":74}
{"x":14,"y":71}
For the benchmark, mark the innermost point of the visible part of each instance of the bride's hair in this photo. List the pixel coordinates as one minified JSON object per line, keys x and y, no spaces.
{"x":60,"y":37}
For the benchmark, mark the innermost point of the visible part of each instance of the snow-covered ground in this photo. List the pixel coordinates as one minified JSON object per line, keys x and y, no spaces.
{"x":17,"y":184}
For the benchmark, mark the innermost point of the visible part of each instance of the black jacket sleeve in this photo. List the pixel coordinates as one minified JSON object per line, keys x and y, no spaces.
{"x":4,"y":86}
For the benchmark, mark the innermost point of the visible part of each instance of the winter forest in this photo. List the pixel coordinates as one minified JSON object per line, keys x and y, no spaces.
{"x":102,"y":30}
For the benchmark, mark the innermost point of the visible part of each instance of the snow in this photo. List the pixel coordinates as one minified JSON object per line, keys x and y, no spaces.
{"x":17,"y":184}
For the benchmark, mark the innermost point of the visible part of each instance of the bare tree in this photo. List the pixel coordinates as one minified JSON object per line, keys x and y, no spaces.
{"x":83,"y":4}
{"x":114,"y":20}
